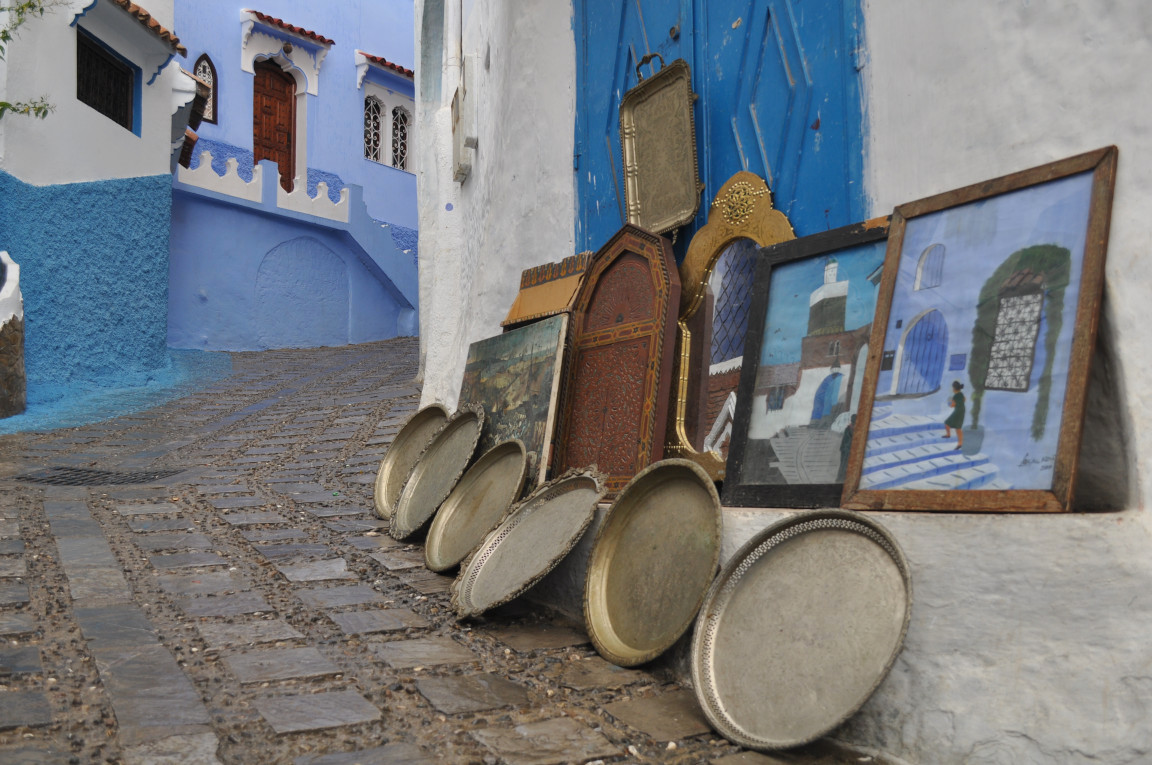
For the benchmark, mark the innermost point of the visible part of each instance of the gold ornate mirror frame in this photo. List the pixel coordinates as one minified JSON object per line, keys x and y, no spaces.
{"x":742,"y":209}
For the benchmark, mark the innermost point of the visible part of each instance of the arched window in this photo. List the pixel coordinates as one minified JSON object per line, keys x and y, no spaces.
{"x":207,"y":72}
{"x":373,"y":127}
{"x":400,"y":138}
{"x":930,"y":269}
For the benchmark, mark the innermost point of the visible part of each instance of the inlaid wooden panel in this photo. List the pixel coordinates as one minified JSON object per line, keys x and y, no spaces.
{"x":615,"y":400}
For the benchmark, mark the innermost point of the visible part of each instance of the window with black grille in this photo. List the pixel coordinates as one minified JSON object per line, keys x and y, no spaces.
{"x":103,"y":81}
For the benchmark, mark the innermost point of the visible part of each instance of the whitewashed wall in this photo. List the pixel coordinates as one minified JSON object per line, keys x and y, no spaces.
{"x":1031,"y":637}
{"x":515,"y":210}
{"x":76,"y":143}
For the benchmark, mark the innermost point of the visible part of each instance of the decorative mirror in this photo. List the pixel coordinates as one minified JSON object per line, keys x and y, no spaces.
{"x":716,"y":275}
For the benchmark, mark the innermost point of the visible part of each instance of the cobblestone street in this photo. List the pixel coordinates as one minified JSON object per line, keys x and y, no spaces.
{"x":205,"y":582}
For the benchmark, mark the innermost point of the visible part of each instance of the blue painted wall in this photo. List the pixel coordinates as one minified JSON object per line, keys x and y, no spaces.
{"x":336,"y":115}
{"x":94,"y":274}
{"x":249,"y":277}
{"x":779,"y":95}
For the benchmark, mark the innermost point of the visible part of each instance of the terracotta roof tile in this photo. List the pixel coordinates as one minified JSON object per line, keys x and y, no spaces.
{"x":385,"y":63}
{"x":145,"y":18}
{"x":275,"y":22}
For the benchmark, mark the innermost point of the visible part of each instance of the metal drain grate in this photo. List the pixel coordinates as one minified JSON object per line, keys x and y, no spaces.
{"x":74,"y":476}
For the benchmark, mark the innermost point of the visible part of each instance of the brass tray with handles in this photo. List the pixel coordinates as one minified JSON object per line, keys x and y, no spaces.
{"x":658,"y":140}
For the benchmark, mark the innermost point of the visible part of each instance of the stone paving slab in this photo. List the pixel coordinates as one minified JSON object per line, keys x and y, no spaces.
{"x":668,"y":717}
{"x":254,"y":518}
{"x":20,"y":660}
{"x":471,"y":693}
{"x":753,"y":758}
{"x":400,"y":559}
{"x":336,"y":597}
{"x":203,"y":583}
{"x":405,"y":654}
{"x":13,"y":625}
{"x":173,"y":541}
{"x":234,"y":634}
{"x":303,"y":550}
{"x":594,"y":672}
{"x":317,"y":711}
{"x":270,"y":664}
{"x":226,"y":605}
{"x":317,"y":571}
{"x":98,"y":585}
{"x":542,"y":636}
{"x":12,"y":566}
{"x":390,"y":754}
{"x":24,"y":708}
{"x":152,"y":508}
{"x":193,"y":749}
{"x":290,"y":489}
{"x":188,"y":560}
{"x":233,"y":503}
{"x":357,"y":524}
{"x":549,"y":742}
{"x":333,"y":511}
{"x":320,"y":496}
{"x":272,"y":535}
{"x":376,"y":542}
{"x":379,"y":620}
{"x":9,"y":528}
{"x":11,"y":546}
{"x":428,"y":582}
{"x":144,"y":525}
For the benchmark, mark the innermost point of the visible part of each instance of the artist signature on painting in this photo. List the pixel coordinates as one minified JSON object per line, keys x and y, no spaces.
{"x":1044,"y":462}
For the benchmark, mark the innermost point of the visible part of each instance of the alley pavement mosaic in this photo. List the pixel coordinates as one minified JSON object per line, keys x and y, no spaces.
{"x":205,"y":582}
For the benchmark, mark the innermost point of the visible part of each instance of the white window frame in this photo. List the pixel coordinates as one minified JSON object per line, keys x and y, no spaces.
{"x":389,"y":100}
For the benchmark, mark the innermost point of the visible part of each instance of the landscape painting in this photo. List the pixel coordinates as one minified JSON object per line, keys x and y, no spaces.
{"x":809,"y":330}
{"x":515,"y":377}
{"x":978,"y":346}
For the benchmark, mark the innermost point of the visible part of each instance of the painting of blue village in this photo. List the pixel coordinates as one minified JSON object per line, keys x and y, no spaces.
{"x":812,"y":358}
{"x":977,"y":345}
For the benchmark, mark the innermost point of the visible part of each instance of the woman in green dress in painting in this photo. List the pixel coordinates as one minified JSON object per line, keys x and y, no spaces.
{"x":956,"y":419}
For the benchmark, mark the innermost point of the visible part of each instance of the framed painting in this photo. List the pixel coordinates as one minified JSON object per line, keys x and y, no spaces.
{"x":515,"y":376}
{"x":974,"y":394}
{"x":813,"y":300}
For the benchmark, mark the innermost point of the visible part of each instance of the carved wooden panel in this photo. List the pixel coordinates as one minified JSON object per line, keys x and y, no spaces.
{"x":616,"y":392}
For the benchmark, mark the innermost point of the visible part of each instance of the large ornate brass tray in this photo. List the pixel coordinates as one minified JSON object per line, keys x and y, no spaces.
{"x":800,"y":628}
{"x":652,"y":562}
{"x":658,"y":141}
{"x":529,"y":543}
{"x":402,"y":455}
{"x":479,"y":501}
{"x":438,"y":470}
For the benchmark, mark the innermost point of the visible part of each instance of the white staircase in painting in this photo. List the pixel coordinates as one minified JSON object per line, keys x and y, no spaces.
{"x":909,"y":452}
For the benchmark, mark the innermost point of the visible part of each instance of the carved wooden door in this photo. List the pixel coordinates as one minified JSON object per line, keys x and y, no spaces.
{"x":274,"y":120}
{"x":616,"y":393}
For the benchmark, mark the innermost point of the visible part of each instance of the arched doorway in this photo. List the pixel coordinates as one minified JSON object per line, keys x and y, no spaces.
{"x":922,"y":353}
{"x":826,"y":396}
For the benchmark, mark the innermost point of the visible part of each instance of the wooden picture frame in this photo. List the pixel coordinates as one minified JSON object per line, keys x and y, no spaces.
{"x":1001,"y":282}
{"x":813,"y":300}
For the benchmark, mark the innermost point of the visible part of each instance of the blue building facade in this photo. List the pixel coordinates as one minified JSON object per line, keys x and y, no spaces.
{"x":293,"y":224}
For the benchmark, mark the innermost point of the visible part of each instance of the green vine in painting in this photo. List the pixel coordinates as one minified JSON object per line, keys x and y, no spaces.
{"x":1052,"y":262}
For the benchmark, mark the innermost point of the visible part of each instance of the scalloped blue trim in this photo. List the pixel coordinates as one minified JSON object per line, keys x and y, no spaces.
{"x":83,"y":13}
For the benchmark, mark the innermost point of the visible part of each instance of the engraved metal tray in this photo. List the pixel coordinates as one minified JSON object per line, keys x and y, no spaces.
{"x":529,"y":543}
{"x":438,"y":470}
{"x":658,"y":143}
{"x":652,"y":562}
{"x":477,"y":504}
{"x":402,"y":455}
{"x":800,"y":628}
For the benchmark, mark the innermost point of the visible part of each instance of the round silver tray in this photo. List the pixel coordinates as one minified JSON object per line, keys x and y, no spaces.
{"x":652,"y":562}
{"x":402,"y":455}
{"x":479,"y":502}
{"x":529,"y":543}
{"x":800,"y":628}
{"x":438,"y":470}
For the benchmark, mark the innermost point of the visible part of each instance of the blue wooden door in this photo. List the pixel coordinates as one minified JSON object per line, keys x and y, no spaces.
{"x":779,"y":95}
{"x":922,"y":360}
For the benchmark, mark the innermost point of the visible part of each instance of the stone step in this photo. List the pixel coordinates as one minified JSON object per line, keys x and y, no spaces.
{"x":904,"y":475}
